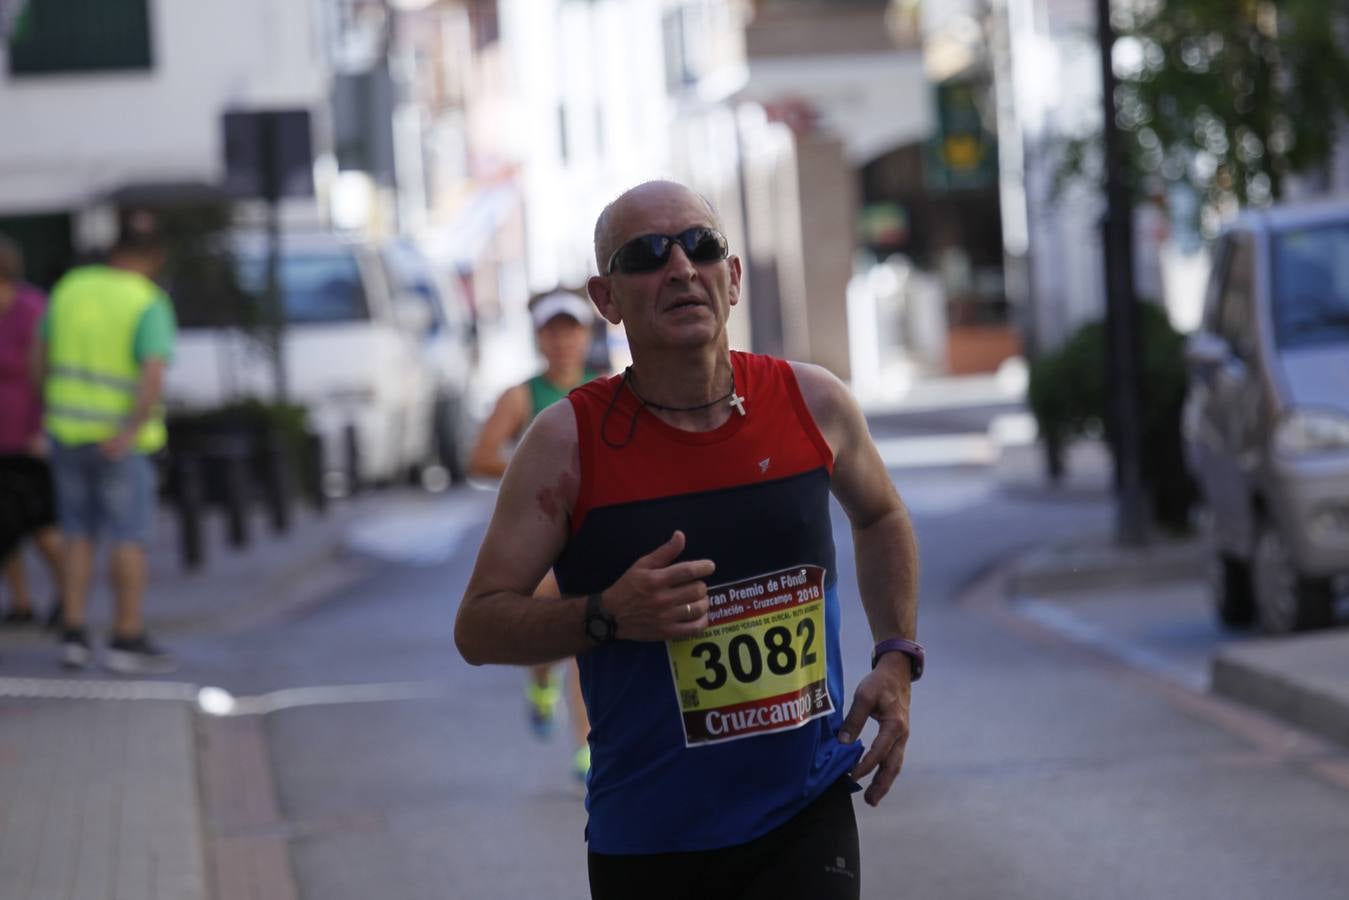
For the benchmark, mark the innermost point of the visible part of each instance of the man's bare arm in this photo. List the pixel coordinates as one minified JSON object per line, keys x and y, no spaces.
{"x":887,"y":570}
{"x":500,"y":621}
{"x":148,"y":391}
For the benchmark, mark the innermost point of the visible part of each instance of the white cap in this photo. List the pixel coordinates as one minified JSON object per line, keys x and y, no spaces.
{"x":561,"y":303}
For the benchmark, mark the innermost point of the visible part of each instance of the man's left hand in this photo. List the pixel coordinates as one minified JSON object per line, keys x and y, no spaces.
{"x":882,"y":695}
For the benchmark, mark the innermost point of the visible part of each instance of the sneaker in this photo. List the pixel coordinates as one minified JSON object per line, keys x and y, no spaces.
{"x":17,"y":618}
{"x":74,"y":649}
{"x":542,"y":701}
{"x":138,"y":655}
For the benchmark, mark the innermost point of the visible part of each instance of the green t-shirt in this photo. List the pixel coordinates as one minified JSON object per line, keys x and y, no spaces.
{"x":543,"y":393}
{"x":156,"y":332}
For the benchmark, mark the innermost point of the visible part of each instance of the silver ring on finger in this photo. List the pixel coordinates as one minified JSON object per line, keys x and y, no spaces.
{"x":688,"y":611}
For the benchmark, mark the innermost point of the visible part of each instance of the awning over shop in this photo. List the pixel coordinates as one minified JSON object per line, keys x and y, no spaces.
{"x":461,"y":241}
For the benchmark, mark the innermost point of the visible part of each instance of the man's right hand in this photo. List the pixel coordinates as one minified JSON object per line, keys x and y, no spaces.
{"x":657,"y":598}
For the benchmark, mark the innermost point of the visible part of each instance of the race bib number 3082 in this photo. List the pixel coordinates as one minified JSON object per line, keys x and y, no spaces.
{"x":760,"y":666}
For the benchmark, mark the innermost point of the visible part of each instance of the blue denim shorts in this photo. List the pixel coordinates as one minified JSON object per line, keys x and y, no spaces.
{"x":101,"y":497}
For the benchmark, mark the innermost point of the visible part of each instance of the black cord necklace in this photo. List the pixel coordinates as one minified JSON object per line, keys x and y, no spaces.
{"x":632,"y":385}
{"x":735,"y":400}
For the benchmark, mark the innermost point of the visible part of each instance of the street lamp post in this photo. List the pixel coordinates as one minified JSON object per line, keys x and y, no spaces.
{"x":1122,"y":340}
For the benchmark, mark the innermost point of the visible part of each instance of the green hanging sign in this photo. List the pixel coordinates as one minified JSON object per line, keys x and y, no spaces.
{"x":963,"y":151}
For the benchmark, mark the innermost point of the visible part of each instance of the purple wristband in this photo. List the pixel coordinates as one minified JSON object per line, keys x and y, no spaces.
{"x":912,"y":649}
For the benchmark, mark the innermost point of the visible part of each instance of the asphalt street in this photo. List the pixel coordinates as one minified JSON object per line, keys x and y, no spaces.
{"x":1035,"y":769}
{"x":1039,"y":766}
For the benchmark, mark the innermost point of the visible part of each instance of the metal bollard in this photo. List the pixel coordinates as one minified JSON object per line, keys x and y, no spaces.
{"x":187,"y":497}
{"x":236,"y":497}
{"x":276,"y":483}
{"x":313,"y":471}
{"x":353,"y":458}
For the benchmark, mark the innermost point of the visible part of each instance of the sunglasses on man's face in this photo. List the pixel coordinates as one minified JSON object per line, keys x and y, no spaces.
{"x":651,"y":251}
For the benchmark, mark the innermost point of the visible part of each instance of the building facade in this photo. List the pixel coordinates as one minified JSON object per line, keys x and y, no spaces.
{"x":99,"y":97}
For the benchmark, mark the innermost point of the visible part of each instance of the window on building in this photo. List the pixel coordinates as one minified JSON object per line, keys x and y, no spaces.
{"x":55,"y":36}
{"x":563,"y":148}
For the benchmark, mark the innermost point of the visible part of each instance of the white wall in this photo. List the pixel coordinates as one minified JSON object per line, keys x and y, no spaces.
{"x":72,"y":137}
{"x":603,"y":63}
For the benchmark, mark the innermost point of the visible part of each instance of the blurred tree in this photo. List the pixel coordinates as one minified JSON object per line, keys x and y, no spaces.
{"x":1229,"y":96}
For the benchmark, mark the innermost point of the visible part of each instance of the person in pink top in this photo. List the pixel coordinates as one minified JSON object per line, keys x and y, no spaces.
{"x":27,"y":498}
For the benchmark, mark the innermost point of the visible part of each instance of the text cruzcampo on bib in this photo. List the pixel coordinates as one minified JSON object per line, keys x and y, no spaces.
{"x":760,"y":665}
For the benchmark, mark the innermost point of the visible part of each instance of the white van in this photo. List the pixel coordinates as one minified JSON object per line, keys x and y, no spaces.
{"x":360,"y":338}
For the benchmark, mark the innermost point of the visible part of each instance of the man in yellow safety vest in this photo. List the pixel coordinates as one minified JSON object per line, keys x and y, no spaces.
{"x":105,"y":342}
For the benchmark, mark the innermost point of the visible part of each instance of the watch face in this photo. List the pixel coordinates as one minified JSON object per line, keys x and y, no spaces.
{"x":598,"y":628}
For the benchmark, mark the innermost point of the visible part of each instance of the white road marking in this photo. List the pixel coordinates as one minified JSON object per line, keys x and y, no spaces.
{"x":217,"y":701}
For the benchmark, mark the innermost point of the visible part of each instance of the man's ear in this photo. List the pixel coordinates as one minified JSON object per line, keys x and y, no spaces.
{"x":598,"y":287}
{"x":734,"y":293}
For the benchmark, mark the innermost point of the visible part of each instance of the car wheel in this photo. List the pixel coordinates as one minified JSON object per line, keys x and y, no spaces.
{"x":1233,"y":597}
{"x":1285,"y":600}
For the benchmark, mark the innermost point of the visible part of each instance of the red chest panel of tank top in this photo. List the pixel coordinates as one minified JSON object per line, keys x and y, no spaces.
{"x":630,"y":455}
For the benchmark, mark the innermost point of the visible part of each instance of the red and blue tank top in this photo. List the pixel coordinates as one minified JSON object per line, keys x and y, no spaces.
{"x":718,"y":739}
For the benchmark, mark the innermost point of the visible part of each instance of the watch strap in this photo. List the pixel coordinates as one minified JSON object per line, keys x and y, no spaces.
{"x":912,"y":649}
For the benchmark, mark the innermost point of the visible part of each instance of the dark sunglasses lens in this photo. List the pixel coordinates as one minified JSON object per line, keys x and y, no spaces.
{"x":644,"y":254}
{"x":703,"y":245}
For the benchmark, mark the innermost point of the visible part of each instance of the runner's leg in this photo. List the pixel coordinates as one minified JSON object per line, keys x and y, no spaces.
{"x":16,"y":584}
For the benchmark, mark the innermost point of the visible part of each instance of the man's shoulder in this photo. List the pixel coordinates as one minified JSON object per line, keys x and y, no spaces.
{"x":30,"y":303}
{"x":556,"y":423}
{"x":549,"y":446}
{"x":816,"y":377}
{"x":825,"y":394}
{"x":30,"y":295}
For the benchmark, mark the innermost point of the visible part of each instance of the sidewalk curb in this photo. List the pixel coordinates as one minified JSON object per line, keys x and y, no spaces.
{"x":1316,"y":700}
{"x":245,"y":836}
{"x":1097,"y":563}
{"x":1300,"y":680}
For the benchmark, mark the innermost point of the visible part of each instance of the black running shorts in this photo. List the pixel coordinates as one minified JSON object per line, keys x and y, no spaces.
{"x":814,"y":855}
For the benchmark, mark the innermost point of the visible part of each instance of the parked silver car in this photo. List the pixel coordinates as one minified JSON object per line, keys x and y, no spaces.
{"x":1267,"y":417}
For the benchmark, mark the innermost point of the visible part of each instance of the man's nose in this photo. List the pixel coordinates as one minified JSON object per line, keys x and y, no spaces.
{"x":680,"y":267}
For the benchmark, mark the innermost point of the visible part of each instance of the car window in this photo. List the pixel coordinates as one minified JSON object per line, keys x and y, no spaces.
{"x":1311,"y":285}
{"x":316,"y":286}
{"x":1236,"y":310}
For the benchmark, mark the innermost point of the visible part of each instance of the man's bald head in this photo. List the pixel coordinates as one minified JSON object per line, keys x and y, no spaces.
{"x":612,"y":222}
